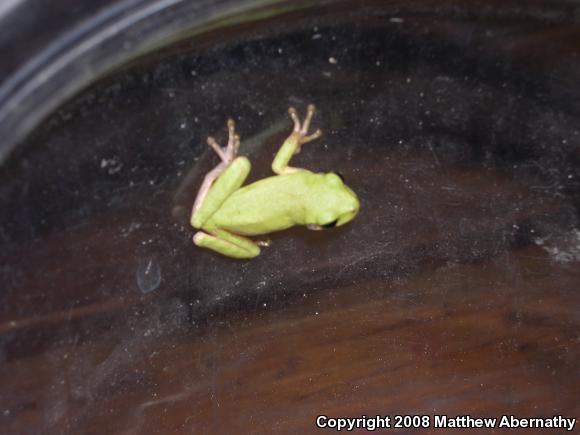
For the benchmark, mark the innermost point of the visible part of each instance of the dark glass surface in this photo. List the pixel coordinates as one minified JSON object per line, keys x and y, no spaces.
{"x":455,"y":291}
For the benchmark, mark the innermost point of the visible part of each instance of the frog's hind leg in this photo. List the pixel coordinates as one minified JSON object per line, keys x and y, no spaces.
{"x":227,"y":244}
{"x":226,"y":155}
{"x":226,"y":183}
{"x":208,"y":180}
{"x":294,"y":142}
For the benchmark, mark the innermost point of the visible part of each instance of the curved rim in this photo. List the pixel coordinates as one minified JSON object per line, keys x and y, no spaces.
{"x":84,"y":54}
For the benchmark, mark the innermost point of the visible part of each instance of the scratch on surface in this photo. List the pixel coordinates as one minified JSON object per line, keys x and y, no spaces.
{"x":142,"y":408}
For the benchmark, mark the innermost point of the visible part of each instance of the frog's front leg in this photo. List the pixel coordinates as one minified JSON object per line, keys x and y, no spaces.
{"x":294,"y":142}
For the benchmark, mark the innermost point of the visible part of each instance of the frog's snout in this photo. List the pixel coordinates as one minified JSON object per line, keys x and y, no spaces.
{"x":352,"y":209}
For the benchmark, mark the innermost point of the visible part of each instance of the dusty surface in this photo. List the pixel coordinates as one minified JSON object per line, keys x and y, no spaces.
{"x":455,"y":291}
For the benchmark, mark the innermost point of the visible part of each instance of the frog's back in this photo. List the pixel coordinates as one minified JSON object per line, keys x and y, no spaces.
{"x":271,"y":204}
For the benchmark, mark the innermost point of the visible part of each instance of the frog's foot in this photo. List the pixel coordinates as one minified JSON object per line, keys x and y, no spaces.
{"x":301,"y":129}
{"x":227,"y":155}
{"x":227,"y":244}
{"x":294,"y":142}
{"x":230,"y":152}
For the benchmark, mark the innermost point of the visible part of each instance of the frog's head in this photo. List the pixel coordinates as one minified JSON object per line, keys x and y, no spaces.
{"x":334,"y":203}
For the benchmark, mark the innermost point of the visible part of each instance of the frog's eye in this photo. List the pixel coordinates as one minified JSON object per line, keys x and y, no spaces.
{"x":330,"y":224}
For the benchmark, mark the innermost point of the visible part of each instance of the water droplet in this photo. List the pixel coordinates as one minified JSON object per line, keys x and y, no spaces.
{"x":148,"y":273}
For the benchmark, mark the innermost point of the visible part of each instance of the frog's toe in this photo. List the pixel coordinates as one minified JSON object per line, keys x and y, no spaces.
{"x":221,"y":152}
{"x":302,"y":127}
{"x":307,"y":119}
{"x":294,"y":115}
{"x":315,"y":135}
{"x":233,"y":140}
